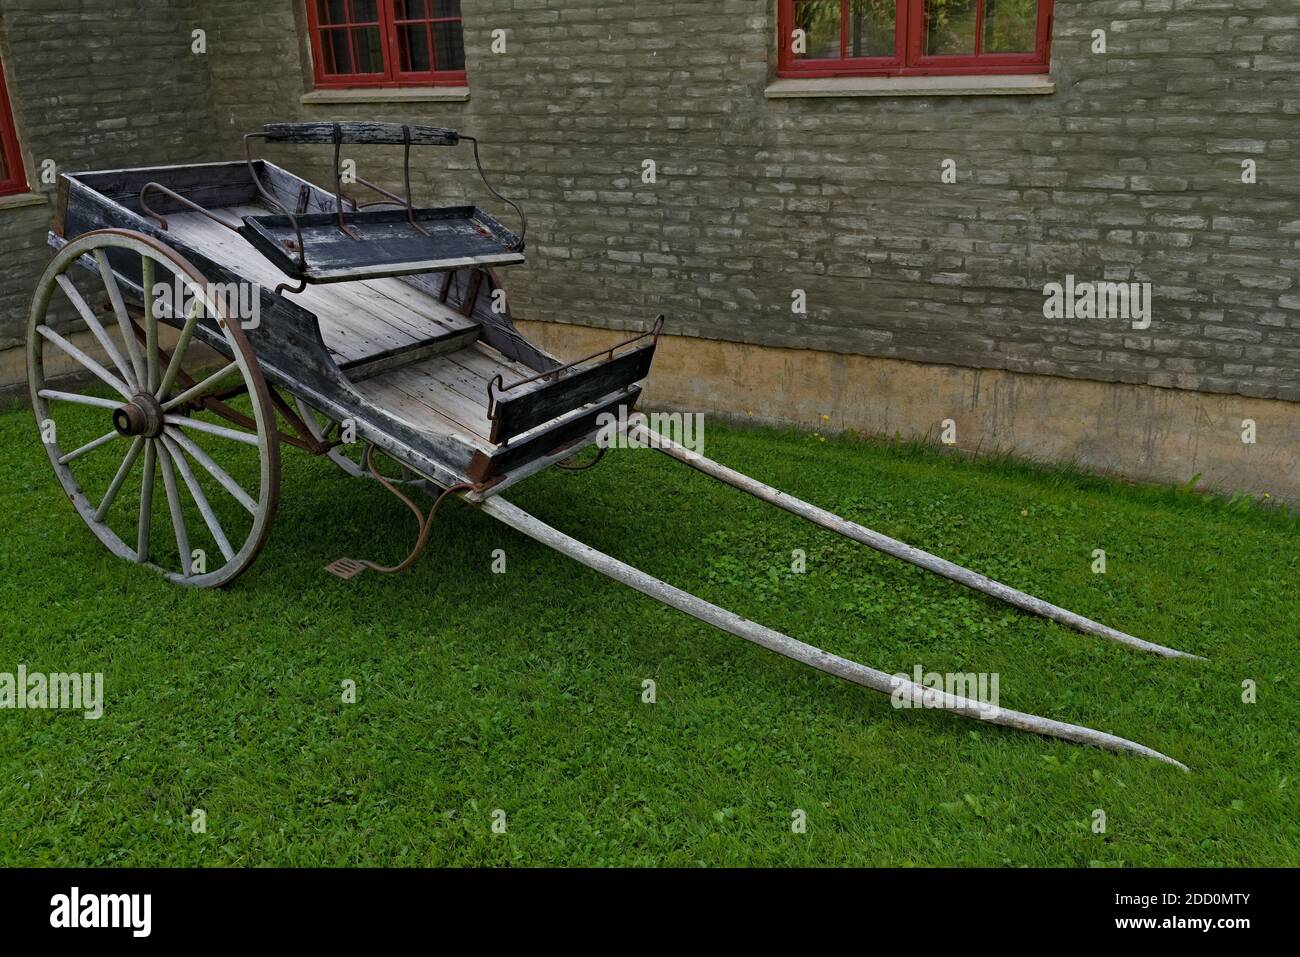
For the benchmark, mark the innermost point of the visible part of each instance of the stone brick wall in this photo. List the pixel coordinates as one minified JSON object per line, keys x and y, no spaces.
{"x":95,"y":85}
{"x":1130,"y":171}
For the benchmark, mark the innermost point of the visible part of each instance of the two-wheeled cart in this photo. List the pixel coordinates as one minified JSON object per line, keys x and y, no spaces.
{"x":226,"y":309}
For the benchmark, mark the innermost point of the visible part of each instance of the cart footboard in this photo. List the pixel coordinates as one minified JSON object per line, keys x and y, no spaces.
{"x":534,"y":417}
{"x":520,"y":410}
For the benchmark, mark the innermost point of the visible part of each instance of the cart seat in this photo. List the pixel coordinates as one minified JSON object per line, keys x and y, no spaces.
{"x":388,"y":242}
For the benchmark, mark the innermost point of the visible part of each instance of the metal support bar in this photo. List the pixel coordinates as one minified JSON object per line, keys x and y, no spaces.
{"x":523,"y":217}
{"x":177,"y":197}
{"x":799,"y":651}
{"x":346,"y":568}
{"x":392,"y":197}
{"x":344,"y":228}
{"x":890,"y":546}
{"x":274,"y":203}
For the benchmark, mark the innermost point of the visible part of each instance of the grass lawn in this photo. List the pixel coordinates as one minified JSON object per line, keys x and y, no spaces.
{"x":523,"y":691}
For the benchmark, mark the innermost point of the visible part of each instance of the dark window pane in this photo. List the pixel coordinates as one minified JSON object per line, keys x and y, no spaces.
{"x":446,"y":8}
{"x":871,"y":27}
{"x":1010,"y":26}
{"x":413,"y":45}
{"x":334,"y":49}
{"x":369,"y":50}
{"x":332,"y":11}
{"x":950,"y":27}
{"x":411,"y":9}
{"x":4,"y":167}
{"x":449,"y":45}
{"x":365,"y":11}
{"x":820,"y":20}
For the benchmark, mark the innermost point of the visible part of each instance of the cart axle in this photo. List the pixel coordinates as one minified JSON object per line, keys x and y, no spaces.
{"x":143,"y":415}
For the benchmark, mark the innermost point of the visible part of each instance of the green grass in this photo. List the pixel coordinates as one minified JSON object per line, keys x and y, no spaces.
{"x":522,"y":691}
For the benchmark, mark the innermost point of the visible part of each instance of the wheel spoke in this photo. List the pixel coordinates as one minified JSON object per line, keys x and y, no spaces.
{"x":174,"y":506}
{"x":89,"y":447}
{"x":90,"y":364}
{"x":146,"y":504}
{"x":124,"y":324}
{"x":213,"y":469}
{"x":201,"y":500}
{"x":248,"y":438}
{"x":77,"y":399}
{"x":150,"y":323}
{"x":183,"y":343}
{"x":88,"y":316}
{"x":123,"y":471}
{"x":140,"y":373}
{"x":202,"y":388}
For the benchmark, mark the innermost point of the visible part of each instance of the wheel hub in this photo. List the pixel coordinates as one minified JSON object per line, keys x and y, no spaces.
{"x":143,"y":415}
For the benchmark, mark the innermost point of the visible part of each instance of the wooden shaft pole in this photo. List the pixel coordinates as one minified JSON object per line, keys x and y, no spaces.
{"x":890,"y":546}
{"x":797,"y":650}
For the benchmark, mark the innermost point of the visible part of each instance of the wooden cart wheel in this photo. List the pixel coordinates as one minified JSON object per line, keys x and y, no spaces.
{"x":350,"y":458}
{"x":150,"y":394}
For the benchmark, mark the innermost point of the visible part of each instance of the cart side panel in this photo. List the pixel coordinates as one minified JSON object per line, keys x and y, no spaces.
{"x":211,"y":185}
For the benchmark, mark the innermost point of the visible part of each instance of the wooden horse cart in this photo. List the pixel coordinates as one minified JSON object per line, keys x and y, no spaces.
{"x":227,"y":309}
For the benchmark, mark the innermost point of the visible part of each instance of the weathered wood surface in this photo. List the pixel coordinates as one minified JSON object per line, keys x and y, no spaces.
{"x":799,"y":651}
{"x":443,"y":394}
{"x":530,"y":405}
{"x":289,"y":189}
{"x":890,"y":546}
{"x":359,"y":133}
{"x":384,"y":243}
{"x":358,"y":321}
{"x":413,"y":408}
{"x":491,"y":312}
{"x":288,"y":341}
{"x":405,"y":356}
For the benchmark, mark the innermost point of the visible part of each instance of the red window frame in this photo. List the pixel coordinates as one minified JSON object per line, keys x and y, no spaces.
{"x":390,"y":49}
{"x":16,"y":180}
{"x":909,"y":40}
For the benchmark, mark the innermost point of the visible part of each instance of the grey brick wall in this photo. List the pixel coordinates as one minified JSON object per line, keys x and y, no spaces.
{"x":1131,"y":171}
{"x":94,"y":85}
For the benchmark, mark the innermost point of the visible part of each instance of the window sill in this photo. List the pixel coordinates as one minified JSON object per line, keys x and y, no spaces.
{"x":1013,"y":85}
{"x":399,"y":94}
{"x":19,"y":200}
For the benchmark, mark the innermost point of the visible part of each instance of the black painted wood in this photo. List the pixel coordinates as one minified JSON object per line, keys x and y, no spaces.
{"x":566,"y":430}
{"x":210,"y":185}
{"x":359,"y":133}
{"x":287,"y":189}
{"x":387,"y":245}
{"x":540,"y":402}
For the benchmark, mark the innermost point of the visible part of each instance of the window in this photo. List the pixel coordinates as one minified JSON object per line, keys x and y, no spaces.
{"x":12,"y":178}
{"x":913,"y":37}
{"x":387,"y":42}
